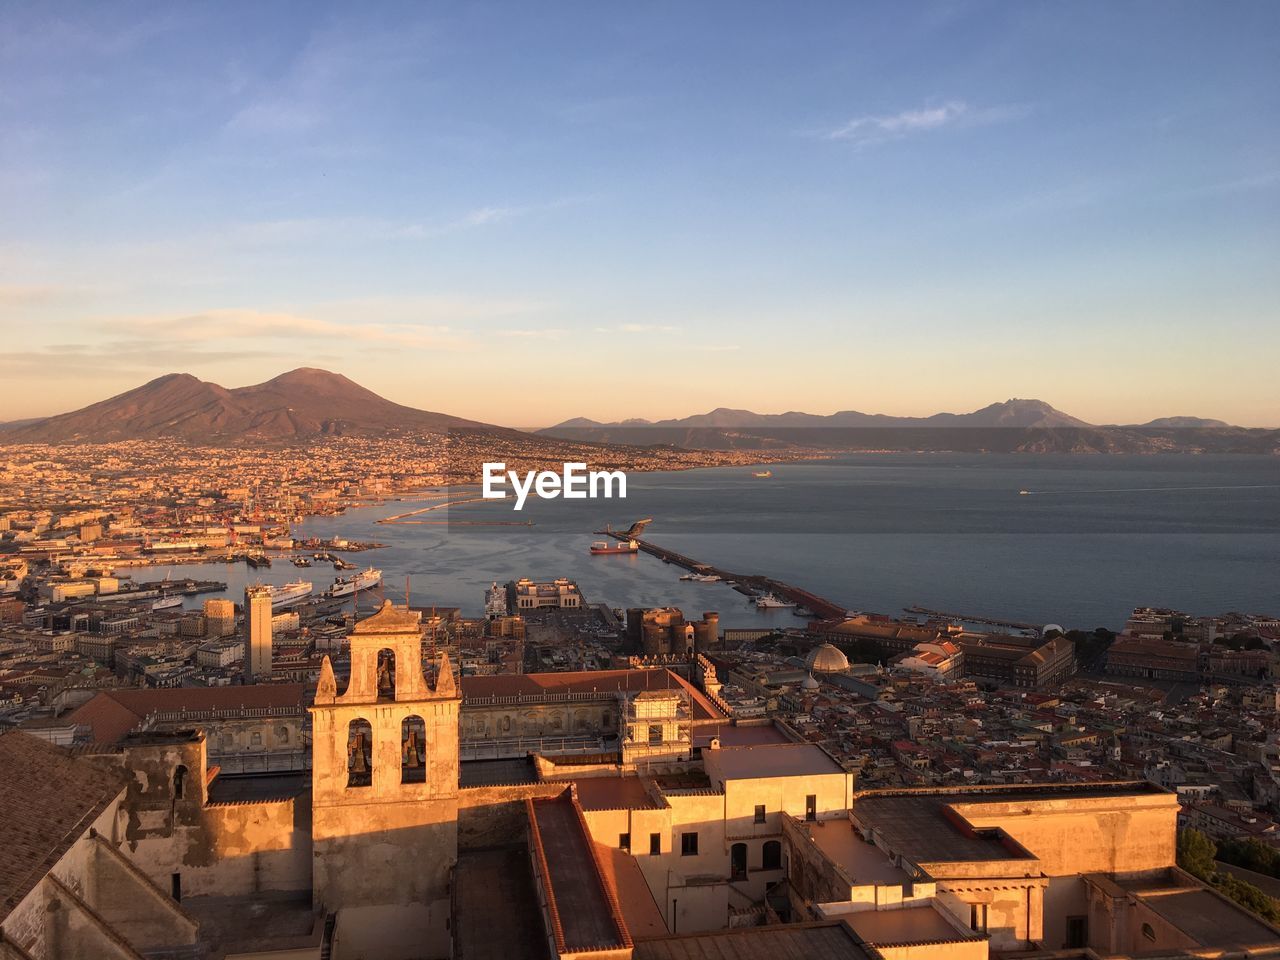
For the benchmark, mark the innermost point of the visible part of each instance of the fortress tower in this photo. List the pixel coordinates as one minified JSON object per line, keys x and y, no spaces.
{"x":385,"y":793}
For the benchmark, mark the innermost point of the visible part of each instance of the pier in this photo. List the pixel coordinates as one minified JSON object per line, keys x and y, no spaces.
{"x":745,"y":583}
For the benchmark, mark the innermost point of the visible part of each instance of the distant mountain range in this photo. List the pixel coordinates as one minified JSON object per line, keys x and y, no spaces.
{"x":1012,"y":426}
{"x":300,"y":404}
{"x":308,"y":403}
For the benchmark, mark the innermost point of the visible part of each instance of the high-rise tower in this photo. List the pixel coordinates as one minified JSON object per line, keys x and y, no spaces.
{"x":384,"y":781}
{"x":257,"y":618}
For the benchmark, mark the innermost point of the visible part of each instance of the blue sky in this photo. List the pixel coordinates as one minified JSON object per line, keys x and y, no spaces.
{"x":525,"y":212}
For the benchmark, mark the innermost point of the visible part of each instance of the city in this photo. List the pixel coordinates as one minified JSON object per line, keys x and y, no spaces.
{"x":664,"y":481}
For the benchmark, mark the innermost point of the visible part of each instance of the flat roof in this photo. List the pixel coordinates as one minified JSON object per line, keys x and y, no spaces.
{"x":864,"y":862}
{"x":920,"y":825}
{"x":733,"y":735}
{"x":771,"y":760}
{"x":791,"y":941}
{"x":499,"y":875}
{"x":887,"y":928}
{"x":613,"y":793}
{"x":258,"y":788}
{"x":1203,"y":915}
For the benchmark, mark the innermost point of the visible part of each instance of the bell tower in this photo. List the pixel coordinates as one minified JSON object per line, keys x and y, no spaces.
{"x":384,"y":793}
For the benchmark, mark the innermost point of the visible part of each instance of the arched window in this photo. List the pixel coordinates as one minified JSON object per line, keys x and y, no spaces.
{"x":413,"y":750}
{"x":738,"y":862}
{"x":1149,"y":932}
{"x":179,"y":782}
{"x":386,"y":675}
{"x":771,"y":855}
{"x":359,"y":753}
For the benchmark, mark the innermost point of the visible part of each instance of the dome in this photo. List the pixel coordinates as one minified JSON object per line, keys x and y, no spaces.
{"x":826,"y":659}
{"x":809,"y":683}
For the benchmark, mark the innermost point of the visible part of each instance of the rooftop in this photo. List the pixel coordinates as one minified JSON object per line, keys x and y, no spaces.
{"x":770,"y":760}
{"x":112,"y":714}
{"x":792,"y":941}
{"x":601,"y":682}
{"x":48,"y":800}
{"x":577,"y":895}
{"x":924,"y":924}
{"x":613,"y":793}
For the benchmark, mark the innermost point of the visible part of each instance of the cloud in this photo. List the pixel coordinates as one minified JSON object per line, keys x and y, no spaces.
{"x":873,"y":129}
{"x":637,"y":328}
{"x":239,"y":324}
{"x":544,"y":333}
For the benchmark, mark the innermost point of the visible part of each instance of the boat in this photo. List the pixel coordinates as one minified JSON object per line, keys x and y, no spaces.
{"x":301,"y":562}
{"x":257,"y":560}
{"x":701,"y":577}
{"x":290,"y":592}
{"x":768,"y":601}
{"x":604,"y":548}
{"x":346,"y":586}
{"x":1024,"y":493}
{"x":762,"y":473}
{"x":164,"y":603}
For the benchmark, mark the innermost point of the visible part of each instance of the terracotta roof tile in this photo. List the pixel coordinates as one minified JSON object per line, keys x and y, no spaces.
{"x":48,"y":800}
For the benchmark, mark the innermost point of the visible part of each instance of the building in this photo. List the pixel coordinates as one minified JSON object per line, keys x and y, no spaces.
{"x":559,"y":594}
{"x":384,"y":793}
{"x":219,"y":618}
{"x":257,"y":615}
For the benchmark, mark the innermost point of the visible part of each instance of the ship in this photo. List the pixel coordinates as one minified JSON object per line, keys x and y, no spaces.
{"x":762,"y":473}
{"x":257,"y":560}
{"x":604,"y":548}
{"x":768,"y":600}
{"x":701,"y":577}
{"x":164,"y":603}
{"x":290,"y":592}
{"x":346,"y":586}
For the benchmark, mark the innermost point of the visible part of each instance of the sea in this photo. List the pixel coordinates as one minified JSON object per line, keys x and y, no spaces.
{"x":1071,"y":539}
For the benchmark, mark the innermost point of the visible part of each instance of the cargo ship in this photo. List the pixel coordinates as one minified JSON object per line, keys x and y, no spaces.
{"x":346,"y":586}
{"x":602,"y":548}
{"x":290,"y":592}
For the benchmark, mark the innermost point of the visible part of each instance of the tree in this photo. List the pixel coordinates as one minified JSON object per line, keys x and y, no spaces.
{"x":1196,"y":854}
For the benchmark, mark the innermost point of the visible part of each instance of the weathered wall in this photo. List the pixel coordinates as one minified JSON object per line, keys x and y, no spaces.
{"x":495,"y":816}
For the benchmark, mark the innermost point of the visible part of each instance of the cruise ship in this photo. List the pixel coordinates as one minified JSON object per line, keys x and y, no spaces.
{"x":164,"y":603}
{"x":346,"y":586}
{"x":290,"y":592}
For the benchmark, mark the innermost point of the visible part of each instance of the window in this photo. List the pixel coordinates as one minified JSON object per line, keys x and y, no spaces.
{"x":771,"y":856}
{"x":624,"y":842}
{"x":759,"y":813}
{"x":655,"y":734}
{"x":978,"y":917}
{"x":1149,"y":932}
{"x":175,"y":886}
{"x":655,"y":844}
{"x":179,"y":782}
{"x":738,"y":862}
{"x":811,"y":807}
{"x":255,"y":740}
{"x":688,"y":844}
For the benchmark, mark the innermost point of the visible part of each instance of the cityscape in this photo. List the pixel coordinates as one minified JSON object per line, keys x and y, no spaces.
{"x":323,"y":324}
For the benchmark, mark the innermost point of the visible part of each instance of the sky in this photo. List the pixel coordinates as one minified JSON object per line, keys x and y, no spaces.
{"x":524,"y":212}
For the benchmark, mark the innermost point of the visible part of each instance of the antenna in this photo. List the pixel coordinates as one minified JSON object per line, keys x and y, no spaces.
{"x":406,"y":591}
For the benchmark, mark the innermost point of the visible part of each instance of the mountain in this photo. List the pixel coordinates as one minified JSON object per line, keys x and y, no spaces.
{"x":1186,"y":423}
{"x":299,"y":404}
{"x":1015,"y":425}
